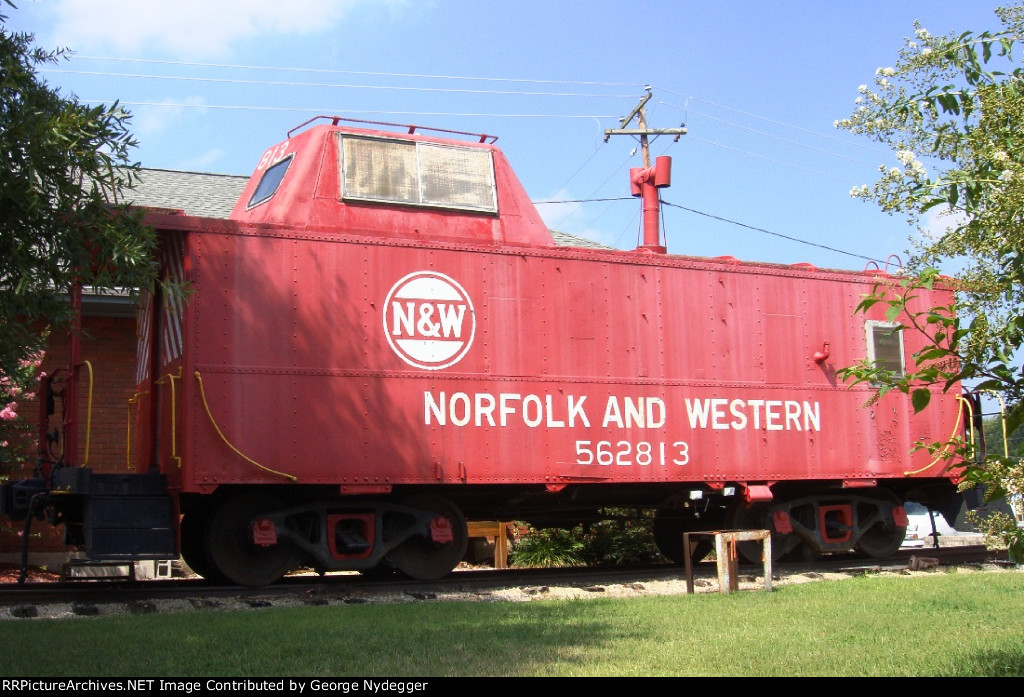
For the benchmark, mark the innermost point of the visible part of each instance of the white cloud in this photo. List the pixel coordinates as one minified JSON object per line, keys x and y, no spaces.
{"x":195,"y":29}
{"x":150,"y":119}
{"x":204,"y":161}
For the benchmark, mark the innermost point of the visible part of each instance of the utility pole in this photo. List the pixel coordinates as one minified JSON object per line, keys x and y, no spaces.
{"x":645,"y":181}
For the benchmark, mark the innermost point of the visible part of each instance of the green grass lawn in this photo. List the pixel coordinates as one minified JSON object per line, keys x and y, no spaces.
{"x":950,"y":623}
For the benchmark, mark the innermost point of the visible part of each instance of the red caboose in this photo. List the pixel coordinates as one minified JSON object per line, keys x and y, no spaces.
{"x":384,"y":341}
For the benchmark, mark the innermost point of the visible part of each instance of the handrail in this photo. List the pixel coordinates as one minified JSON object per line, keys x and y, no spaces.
{"x":335,"y":120}
{"x":213,"y":422}
{"x":88,"y":416}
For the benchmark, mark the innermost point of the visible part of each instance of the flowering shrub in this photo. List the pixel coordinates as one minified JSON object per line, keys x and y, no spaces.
{"x":17,"y":385}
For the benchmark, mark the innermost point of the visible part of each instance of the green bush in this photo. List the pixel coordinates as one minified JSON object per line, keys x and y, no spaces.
{"x":624,"y":539}
{"x":548,"y":547}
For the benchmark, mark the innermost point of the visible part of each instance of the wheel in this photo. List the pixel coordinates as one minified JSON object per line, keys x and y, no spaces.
{"x":668,"y":530}
{"x":758,"y":517}
{"x":422,"y":558}
{"x":884,"y":537}
{"x":193,"y":545}
{"x":230,"y":549}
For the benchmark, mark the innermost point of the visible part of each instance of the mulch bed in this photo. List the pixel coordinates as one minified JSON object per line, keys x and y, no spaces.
{"x":10,"y":573}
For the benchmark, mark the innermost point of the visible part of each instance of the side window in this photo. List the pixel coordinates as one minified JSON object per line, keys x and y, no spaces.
{"x":885,"y":346}
{"x":270,"y":182}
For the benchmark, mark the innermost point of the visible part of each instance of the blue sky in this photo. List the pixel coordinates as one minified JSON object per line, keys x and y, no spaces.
{"x":762,"y":174}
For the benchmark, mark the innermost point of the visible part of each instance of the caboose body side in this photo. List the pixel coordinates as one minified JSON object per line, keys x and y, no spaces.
{"x":384,"y":340}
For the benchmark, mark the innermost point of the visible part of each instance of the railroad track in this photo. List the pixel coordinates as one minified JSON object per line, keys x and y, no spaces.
{"x":98,"y":596}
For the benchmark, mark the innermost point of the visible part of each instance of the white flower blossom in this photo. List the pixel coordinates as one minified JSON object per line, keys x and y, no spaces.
{"x":923,"y":34}
{"x":910,"y":161}
{"x":1001,"y":156}
{"x":863,"y":89}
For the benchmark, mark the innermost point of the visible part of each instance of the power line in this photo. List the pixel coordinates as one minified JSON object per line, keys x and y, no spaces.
{"x":720,"y":219}
{"x":282,"y":83}
{"x":333,"y":110}
{"x":596,"y":189}
{"x":362,"y":72}
{"x":270,"y":83}
{"x":584,"y":200}
{"x":775,"y":122}
{"x":769,"y":159}
{"x":775,"y":234}
{"x":784,"y":140}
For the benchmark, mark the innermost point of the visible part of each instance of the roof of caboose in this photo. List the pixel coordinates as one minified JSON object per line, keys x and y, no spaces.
{"x":391,"y":181}
{"x":212,"y":195}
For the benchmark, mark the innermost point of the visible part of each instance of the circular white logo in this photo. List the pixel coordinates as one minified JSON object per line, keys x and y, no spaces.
{"x":429,"y":320}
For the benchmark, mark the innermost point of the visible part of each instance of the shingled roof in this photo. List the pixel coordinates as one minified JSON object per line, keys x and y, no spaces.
{"x":195,"y":193}
{"x":214,"y":195}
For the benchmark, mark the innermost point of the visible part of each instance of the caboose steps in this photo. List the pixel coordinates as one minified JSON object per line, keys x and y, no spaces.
{"x":116,"y":516}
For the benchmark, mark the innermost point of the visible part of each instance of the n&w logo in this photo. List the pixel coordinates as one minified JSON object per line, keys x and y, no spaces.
{"x":429,"y":320}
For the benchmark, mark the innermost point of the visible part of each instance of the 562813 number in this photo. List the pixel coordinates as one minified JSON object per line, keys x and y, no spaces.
{"x":626,"y":453}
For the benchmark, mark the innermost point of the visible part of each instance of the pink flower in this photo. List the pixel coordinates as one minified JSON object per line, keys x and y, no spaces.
{"x":32,"y":362}
{"x":8,"y":413}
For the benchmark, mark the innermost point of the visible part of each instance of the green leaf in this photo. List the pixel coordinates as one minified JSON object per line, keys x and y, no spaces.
{"x":53,"y":144}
